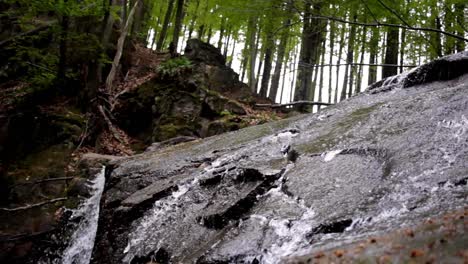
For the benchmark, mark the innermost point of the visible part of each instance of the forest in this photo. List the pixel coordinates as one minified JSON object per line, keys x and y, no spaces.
{"x":322,"y":49}
{"x":150,"y":109}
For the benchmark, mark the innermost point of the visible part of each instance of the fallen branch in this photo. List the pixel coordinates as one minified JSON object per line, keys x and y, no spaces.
{"x":293,"y":104}
{"x":27,"y":207}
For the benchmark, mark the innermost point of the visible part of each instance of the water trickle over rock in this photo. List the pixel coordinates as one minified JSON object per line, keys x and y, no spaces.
{"x":366,"y":167}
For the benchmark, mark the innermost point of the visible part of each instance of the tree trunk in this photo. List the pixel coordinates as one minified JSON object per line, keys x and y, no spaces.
{"x":349,"y":60}
{"x":305,"y":57}
{"x":361,"y":61}
{"x":221,"y":33}
{"x":192,"y":22}
{"x":460,"y":17}
{"x":340,"y":53}
{"x":267,"y":67}
{"x":178,"y":23}
{"x":281,"y":54}
{"x":330,"y":61}
{"x":64,"y":25}
{"x":391,"y":52}
{"x":374,"y":50}
{"x":252,"y":52}
{"x":167,"y":18}
{"x":120,"y":45}
{"x":232,"y":53}
{"x":322,"y":61}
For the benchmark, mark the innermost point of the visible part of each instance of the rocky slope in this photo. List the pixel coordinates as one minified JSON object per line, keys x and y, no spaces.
{"x":377,"y":164}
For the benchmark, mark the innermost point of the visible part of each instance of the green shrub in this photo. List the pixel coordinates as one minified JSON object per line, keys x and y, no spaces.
{"x":174,"y":67}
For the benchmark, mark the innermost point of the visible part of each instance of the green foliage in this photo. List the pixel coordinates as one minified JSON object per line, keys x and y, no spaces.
{"x":174,"y":67}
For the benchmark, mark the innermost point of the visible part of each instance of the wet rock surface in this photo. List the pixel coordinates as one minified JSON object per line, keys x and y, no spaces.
{"x":373,"y":164}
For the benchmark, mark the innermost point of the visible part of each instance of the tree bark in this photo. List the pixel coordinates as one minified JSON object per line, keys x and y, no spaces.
{"x":305,"y":57}
{"x":178,"y":23}
{"x":252,"y":52}
{"x":267,"y":67}
{"x":460,"y":17}
{"x":281,"y":54}
{"x":120,"y":45}
{"x":330,"y":60}
{"x":167,"y":18}
{"x":340,"y":53}
{"x":391,"y":52}
{"x":349,"y":59}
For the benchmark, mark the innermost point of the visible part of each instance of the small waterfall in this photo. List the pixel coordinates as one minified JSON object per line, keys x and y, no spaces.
{"x":82,"y":241}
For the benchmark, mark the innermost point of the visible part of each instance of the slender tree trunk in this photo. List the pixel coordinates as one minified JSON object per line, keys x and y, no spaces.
{"x":349,"y":60}
{"x":330,"y":61}
{"x":340,"y":53}
{"x":64,"y":25}
{"x":192,"y":22}
{"x":252,"y":52}
{"x":178,"y":23}
{"x":267,"y":67}
{"x":120,"y":45}
{"x":295,"y":69}
{"x":305,"y":58}
{"x":282,"y":85}
{"x":210,"y":34}
{"x":361,"y":61}
{"x":226,"y":44}
{"x":460,"y":17}
{"x":259,"y":68}
{"x":449,"y":19}
{"x":322,"y":61}
{"x":281,"y":54}
{"x":232,"y":53}
{"x":167,"y":17}
{"x":374,"y":49}
{"x":435,"y":38}
{"x":391,"y":53}
{"x":221,"y":33}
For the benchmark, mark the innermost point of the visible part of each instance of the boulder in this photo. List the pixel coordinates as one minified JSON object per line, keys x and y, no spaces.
{"x":367,"y":172}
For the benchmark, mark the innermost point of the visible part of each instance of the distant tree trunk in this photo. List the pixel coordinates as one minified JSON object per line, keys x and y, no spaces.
{"x":120,"y":45}
{"x":349,"y":60}
{"x":402,"y":49}
{"x":391,"y":52}
{"x":64,"y":25}
{"x":305,"y":57}
{"x":435,"y":38}
{"x":282,"y":85}
{"x":192,"y":22}
{"x":295,"y":69}
{"x":226,"y":44}
{"x":252,"y":52}
{"x":449,"y":24}
{"x":330,"y":61}
{"x":460,"y":17}
{"x":178,"y":23}
{"x":280,"y":55}
{"x":167,"y":18}
{"x":245,"y":59}
{"x":221,"y":33}
{"x":138,"y":21}
{"x":322,"y":61}
{"x":232,"y":53}
{"x":340,"y":53}
{"x":259,"y":68}
{"x":374,"y":50}
{"x":267,"y":66}
{"x":361,"y":61}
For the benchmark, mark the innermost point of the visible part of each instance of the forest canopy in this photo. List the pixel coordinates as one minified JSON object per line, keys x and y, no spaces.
{"x":286,"y":50}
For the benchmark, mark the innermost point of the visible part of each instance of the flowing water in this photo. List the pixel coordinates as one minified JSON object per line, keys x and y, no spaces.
{"x":81,"y":244}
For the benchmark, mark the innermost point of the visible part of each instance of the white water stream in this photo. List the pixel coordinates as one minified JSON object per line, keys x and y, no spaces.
{"x":81,"y":245}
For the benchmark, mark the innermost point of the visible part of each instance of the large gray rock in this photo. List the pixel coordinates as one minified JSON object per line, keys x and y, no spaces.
{"x":370,"y":165}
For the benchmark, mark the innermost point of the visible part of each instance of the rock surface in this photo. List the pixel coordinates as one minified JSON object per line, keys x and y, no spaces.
{"x":373,"y":164}
{"x":190,"y":104}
